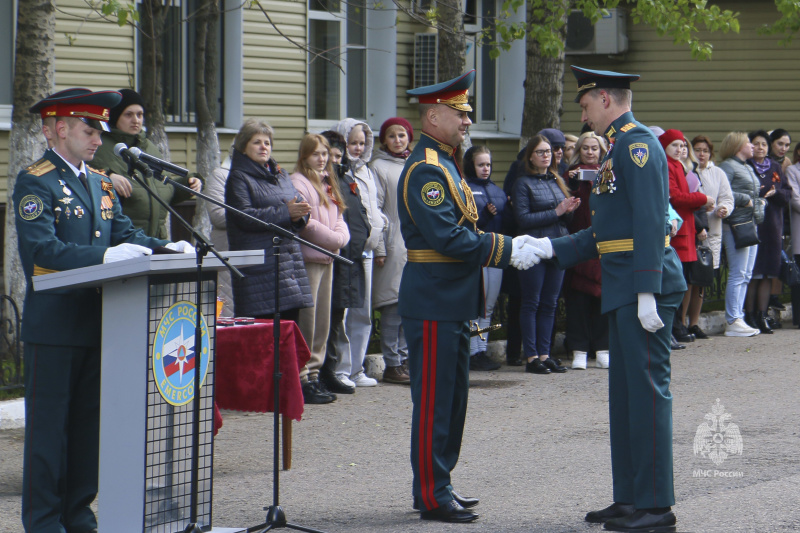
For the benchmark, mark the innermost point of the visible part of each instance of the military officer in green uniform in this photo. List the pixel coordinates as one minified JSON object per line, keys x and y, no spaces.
{"x":67,"y":216}
{"x":642,"y":288}
{"x":440,"y":292}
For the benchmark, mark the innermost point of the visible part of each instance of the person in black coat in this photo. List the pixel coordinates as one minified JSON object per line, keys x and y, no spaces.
{"x":259,"y":187}
{"x":349,"y":284}
{"x":776,"y":193}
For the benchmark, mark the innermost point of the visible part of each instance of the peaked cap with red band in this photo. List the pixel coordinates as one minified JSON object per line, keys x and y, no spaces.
{"x":453,"y":93}
{"x":589,"y":79}
{"x":90,"y":107}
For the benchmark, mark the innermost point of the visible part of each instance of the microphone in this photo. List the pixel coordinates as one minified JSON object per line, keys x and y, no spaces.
{"x":128,"y":155}
{"x":159,"y":164}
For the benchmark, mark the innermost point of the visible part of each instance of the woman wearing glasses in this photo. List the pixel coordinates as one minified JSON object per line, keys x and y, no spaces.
{"x":542,"y":207}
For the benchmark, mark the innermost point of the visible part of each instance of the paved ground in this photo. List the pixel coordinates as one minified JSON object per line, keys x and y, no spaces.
{"x":535,"y":451}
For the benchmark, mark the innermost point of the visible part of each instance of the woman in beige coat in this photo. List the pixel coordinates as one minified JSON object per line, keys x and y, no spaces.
{"x":395,"y":137}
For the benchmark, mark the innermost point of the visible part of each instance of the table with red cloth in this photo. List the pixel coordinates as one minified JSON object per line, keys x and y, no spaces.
{"x":245,"y":366}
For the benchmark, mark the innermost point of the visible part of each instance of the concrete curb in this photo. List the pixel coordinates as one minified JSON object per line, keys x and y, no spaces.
{"x":12,"y":414}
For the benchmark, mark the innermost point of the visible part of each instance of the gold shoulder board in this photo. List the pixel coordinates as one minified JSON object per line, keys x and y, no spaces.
{"x":96,"y":171}
{"x":41,"y":167}
{"x":627,"y":127}
{"x":431,"y":157}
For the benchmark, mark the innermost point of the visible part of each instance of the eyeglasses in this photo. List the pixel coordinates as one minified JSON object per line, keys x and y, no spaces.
{"x":542,"y":153}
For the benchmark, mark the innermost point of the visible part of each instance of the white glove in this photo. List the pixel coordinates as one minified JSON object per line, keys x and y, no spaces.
{"x":523,"y":255}
{"x":648,"y":314}
{"x":181,"y":246}
{"x":543,"y":247}
{"x":124,"y":251}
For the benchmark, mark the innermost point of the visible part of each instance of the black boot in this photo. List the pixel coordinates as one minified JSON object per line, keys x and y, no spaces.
{"x":761,"y":323}
{"x":750,"y":320}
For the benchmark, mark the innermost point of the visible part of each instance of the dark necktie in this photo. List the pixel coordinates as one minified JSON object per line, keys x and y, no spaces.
{"x":82,"y":177}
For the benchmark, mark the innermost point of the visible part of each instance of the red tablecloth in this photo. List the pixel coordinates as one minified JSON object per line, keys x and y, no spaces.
{"x":244,"y":367}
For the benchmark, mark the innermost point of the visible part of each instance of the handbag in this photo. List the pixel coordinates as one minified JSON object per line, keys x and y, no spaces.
{"x":701,"y":272}
{"x":790,"y":273}
{"x":744,"y":234}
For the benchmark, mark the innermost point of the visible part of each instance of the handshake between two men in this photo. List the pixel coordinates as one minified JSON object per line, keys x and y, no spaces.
{"x":527,"y":251}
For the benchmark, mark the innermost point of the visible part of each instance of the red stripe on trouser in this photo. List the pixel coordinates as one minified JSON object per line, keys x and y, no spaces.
{"x":427,"y":405}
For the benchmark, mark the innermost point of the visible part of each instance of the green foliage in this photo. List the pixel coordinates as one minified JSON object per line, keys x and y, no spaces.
{"x":121,"y":10}
{"x":680,"y":19}
{"x":789,"y":22}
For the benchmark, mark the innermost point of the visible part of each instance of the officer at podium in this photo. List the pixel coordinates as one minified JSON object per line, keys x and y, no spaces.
{"x":67,"y":216}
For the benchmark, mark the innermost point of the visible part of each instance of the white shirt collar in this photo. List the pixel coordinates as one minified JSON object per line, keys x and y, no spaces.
{"x":75,"y":169}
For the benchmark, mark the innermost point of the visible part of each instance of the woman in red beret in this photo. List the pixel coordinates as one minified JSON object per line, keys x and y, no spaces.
{"x":685,"y":203}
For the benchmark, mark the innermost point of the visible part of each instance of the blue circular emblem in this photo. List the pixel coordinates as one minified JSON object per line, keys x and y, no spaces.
{"x":30,"y":207}
{"x":174,"y":360}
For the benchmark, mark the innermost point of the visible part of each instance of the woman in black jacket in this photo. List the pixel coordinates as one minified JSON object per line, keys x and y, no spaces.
{"x":259,"y":187}
{"x":542,"y":207}
{"x":349,"y":284}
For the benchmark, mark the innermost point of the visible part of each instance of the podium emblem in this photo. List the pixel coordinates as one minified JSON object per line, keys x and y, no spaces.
{"x":174,"y":361}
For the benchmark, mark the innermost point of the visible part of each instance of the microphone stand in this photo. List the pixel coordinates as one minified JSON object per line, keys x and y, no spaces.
{"x":276,"y":518}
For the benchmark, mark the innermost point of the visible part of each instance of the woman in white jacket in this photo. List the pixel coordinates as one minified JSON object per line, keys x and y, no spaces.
{"x":358,"y":321}
{"x":395,"y":137}
{"x":716,"y":185}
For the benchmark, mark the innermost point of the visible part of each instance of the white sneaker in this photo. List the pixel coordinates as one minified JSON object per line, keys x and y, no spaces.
{"x":739,"y":329}
{"x":602,"y":359}
{"x":346,"y":380}
{"x":363,"y":380}
{"x":579,"y":360}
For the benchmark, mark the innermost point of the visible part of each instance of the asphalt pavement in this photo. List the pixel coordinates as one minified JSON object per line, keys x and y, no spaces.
{"x":535,"y":451}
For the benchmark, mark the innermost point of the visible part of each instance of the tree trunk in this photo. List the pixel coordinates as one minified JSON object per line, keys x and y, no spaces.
{"x":542,"y":106}
{"x":206,"y":63}
{"x":153,"y":16}
{"x":452,"y":42}
{"x":34,"y":72}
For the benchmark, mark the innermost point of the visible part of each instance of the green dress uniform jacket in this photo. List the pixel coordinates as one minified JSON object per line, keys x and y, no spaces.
{"x":629,"y":232}
{"x":61,"y":225}
{"x":440,"y":291}
{"x":144,"y":211}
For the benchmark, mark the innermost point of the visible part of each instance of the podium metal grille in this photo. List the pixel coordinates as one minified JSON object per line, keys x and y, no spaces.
{"x":167,"y":503}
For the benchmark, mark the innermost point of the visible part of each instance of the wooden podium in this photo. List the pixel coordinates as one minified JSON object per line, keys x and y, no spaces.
{"x":147,"y":376}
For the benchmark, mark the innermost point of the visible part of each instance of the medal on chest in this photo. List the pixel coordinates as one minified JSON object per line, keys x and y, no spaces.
{"x":605,"y":180}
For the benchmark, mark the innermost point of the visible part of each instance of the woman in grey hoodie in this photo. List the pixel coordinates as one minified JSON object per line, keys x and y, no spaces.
{"x":358,"y":321}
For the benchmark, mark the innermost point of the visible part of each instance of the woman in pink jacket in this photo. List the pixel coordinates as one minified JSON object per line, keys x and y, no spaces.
{"x":326,"y":228}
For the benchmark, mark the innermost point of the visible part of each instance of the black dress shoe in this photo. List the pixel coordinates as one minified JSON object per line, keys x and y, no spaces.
{"x":697,"y":332}
{"x":773,"y":323}
{"x":643,"y":521}
{"x":615,"y":510}
{"x":775,"y":303}
{"x":536,"y":367}
{"x":675,"y":345}
{"x":481,"y":361}
{"x":449,"y":512}
{"x":464,"y":501}
{"x":313,"y":394}
{"x":553,"y":366}
{"x":513,"y":361}
{"x":333,"y":383}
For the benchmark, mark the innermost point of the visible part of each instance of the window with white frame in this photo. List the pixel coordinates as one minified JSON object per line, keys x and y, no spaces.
{"x":337,"y":35}
{"x":178,"y":73}
{"x":478,"y":16}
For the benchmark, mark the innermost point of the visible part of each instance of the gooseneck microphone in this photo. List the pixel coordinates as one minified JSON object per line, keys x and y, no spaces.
{"x":159,"y":164}
{"x":128,"y":155}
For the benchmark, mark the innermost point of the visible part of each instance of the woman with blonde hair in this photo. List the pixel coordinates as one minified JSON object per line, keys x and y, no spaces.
{"x":587,"y":327}
{"x":326,"y":228}
{"x":736,"y":148}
